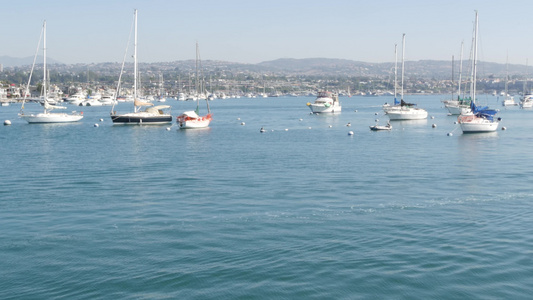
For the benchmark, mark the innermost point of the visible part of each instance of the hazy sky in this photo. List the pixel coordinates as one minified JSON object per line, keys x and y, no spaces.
{"x":251,"y":31}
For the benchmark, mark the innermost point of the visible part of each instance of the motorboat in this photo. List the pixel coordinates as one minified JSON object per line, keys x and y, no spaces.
{"x":326,"y":102}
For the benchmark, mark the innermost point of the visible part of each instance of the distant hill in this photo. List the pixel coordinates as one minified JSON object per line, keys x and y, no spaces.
{"x":433,"y":69}
{"x":423,"y":68}
{"x":8,"y":61}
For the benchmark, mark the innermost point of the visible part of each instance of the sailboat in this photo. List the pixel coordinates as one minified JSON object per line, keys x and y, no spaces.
{"x":191,"y":119}
{"x":508,"y":100}
{"x":461,"y":105}
{"x":527,"y":98}
{"x":47,"y":116}
{"x":151,"y":115}
{"x":480,"y":119}
{"x":406,"y":111}
{"x":396,"y":105}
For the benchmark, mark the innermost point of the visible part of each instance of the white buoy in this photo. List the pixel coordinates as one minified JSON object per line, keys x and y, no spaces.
{"x":301,"y":120}
{"x":7,"y":122}
{"x":376,"y":114}
{"x":238,"y":119}
{"x":434,"y":125}
{"x":355,"y":110}
{"x":96,"y":125}
{"x":309,"y":127}
{"x":168,"y":128}
{"x":262,"y":129}
{"x":349,"y":124}
{"x":449,"y":114}
{"x":455,"y":122}
{"x":504,"y":128}
{"x":286,"y":129}
{"x":330,"y":126}
{"x":242,"y":123}
{"x":377,"y":120}
{"x":350,"y":132}
{"x":432,"y":117}
{"x":101,"y":120}
{"x":449,"y":134}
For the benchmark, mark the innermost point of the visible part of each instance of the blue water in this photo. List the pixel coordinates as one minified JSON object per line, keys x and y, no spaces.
{"x":302,"y":211}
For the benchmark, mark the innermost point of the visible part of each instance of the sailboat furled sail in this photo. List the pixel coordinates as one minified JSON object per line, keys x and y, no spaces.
{"x":479,"y":119}
{"x":151,"y":114}
{"x":192,"y":119}
{"x":404,"y":110}
{"x":46,"y":116}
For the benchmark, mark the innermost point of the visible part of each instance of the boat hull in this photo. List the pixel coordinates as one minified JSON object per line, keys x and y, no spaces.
{"x":474,"y":124}
{"x":379,"y":128}
{"x":458,"y":109}
{"x":407,"y":114}
{"x":51,"y":118}
{"x":185,"y":122}
{"x":320,"y":108}
{"x":141,"y":118}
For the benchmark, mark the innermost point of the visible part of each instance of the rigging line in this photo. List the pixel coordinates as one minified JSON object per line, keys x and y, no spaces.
{"x":31,"y":72}
{"x":122,"y":68}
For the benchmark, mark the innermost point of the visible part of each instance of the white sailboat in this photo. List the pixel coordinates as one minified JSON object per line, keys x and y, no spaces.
{"x":461,"y":105}
{"x":191,"y":119}
{"x":406,"y":111}
{"x":47,"y":116}
{"x":152,"y":114}
{"x":527,"y":98}
{"x":508,"y":100}
{"x":480,"y":119}
{"x":396,"y":105}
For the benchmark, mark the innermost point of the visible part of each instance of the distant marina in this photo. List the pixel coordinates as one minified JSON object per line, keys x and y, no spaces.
{"x":214,"y":183}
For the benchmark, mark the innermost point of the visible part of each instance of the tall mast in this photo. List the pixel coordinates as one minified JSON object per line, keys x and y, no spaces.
{"x":453,"y":78}
{"x":395,"y":71}
{"x":506,"y":75}
{"x":45,"y":79}
{"x":403,"y":61}
{"x":135,"y":59}
{"x":197,"y":82}
{"x":475,"y":60}
{"x":460,"y":70}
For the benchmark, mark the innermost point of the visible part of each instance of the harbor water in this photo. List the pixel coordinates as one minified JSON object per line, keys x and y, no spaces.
{"x":301,"y":211}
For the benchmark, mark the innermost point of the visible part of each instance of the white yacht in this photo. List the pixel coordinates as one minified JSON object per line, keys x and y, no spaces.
{"x":326,"y":102}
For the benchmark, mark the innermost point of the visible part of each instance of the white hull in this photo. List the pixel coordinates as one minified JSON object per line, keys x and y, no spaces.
{"x":51,"y":118}
{"x":320,"y":108}
{"x":509,"y":102}
{"x":407,"y":114}
{"x":474,"y":124}
{"x":527,"y":104}
{"x":193,"y":124}
{"x":190,"y":120}
{"x":455,"y":109}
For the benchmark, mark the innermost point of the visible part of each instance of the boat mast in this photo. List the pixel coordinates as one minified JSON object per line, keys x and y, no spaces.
{"x":135,"y":61}
{"x":475,"y":60}
{"x":27,"y":90}
{"x":453,"y":69}
{"x":460,"y":70}
{"x":45,"y":92}
{"x":403,"y":62}
{"x":395,"y":72}
{"x":506,"y":76}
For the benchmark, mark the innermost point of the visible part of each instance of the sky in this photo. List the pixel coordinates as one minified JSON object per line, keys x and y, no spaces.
{"x":251,"y":31}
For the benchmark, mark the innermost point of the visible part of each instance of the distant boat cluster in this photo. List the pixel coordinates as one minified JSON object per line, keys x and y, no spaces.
{"x":471,"y":116}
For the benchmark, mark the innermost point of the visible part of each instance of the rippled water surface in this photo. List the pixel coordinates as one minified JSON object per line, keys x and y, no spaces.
{"x":301,"y":211}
